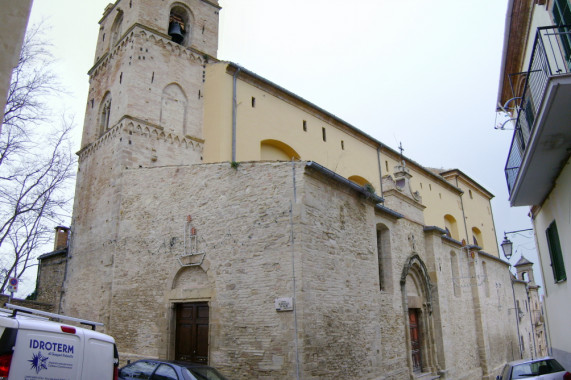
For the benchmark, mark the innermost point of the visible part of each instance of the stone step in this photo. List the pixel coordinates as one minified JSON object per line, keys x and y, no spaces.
{"x":426,"y":376}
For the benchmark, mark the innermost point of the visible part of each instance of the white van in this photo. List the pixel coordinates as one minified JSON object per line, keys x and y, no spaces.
{"x":32,"y":347}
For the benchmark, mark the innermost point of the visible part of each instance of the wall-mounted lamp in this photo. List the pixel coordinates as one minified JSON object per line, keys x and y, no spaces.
{"x":507,"y":245}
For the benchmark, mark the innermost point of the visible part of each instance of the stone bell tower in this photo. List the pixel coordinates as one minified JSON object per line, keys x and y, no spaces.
{"x":524,"y":269}
{"x":144,"y":109}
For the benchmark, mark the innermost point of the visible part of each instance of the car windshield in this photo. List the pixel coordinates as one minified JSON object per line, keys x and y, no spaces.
{"x":205,"y":373}
{"x":537,"y":368}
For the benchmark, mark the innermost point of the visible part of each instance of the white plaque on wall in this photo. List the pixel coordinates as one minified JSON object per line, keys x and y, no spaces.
{"x":284,"y":304}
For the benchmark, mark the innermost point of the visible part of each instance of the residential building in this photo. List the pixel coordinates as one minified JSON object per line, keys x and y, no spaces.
{"x":13,"y":22}
{"x":535,"y":91}
{"x":529,"y":307}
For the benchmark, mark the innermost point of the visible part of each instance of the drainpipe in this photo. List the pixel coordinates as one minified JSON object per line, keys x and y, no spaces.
{"x":516,"y":317}
{"x":380,"y":169}
{"x":463,"y":215}
{"x":531,"y":322}
{"x":234,"y":112}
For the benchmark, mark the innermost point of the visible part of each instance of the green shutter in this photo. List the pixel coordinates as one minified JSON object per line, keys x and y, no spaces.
{"x":557,"y":264}
{"x":562,"y":12}
{"x":562,"y":16}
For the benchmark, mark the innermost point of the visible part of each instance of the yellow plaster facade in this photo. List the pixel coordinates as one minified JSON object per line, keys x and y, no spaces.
{"x":269,"y":123}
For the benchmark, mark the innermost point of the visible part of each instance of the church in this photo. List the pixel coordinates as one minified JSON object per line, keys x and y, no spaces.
{"x":222,"y":219}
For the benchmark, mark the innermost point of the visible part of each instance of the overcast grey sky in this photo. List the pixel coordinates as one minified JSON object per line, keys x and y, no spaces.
{"x":424,"y":73}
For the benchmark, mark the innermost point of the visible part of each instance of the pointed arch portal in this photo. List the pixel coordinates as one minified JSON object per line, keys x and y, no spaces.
{"x":416,"y":290}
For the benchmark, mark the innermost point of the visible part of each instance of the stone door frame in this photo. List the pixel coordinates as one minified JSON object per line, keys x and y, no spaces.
{"x":414,"y":269}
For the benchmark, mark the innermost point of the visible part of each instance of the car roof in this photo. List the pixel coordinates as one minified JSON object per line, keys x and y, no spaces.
{"x":38,"y":323}
{"x":176,"y":362}
{"x":523,"y":361}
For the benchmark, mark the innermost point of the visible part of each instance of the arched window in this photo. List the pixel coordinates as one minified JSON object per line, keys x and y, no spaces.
{"x":104,"y":113}
{"x":179,"y":27}
{"x":455,"y":274}
{"x":384,"y":258}
{"x":362,"y":182}
{"x":275,"y":150}
{"x":451,"y":226}
{"x":116,"y":28}
{"x":173,"y":110}
{"x":477,"y":237}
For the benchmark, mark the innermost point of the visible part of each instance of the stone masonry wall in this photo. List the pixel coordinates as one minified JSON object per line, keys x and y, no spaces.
{"x":245,"y":219}
{"x":340,"y":286}
{"x":497,"y":301}
{"x":51,"y":273}
{"x":243,"y":226}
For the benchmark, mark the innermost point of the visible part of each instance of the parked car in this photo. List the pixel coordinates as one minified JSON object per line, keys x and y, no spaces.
{"x":543,"y":369}
{"x":150,"y":369}
{"x":33,"y":347}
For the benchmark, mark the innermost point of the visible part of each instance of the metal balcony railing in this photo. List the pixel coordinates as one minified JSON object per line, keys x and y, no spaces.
{"x":551,"y":56}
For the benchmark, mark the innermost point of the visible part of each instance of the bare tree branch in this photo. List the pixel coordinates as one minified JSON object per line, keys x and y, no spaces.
{"x":36,"y":163}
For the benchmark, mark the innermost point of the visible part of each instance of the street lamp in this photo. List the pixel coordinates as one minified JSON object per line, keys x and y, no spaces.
{"x":507,"y":245}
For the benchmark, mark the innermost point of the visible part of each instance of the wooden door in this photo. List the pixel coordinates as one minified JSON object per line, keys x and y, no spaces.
{"x":192,"y":332}
{"x":415,"y":342}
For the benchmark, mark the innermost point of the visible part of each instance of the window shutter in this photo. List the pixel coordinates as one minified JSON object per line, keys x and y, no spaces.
{"x":557,"y":264}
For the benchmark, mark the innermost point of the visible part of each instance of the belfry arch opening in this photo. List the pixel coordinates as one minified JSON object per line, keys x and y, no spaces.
{"x":275,"y":150}
{"x":116,"y":28}
{"x":180,"y":25}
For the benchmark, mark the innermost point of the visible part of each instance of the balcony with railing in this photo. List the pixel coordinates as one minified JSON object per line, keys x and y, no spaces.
{"x":542,"y":137}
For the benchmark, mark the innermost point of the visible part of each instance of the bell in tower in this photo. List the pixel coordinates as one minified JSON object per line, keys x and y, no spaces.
{"x":176,"y":28}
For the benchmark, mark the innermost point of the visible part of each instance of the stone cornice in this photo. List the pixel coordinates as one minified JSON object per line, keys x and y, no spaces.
{"x":212,"y":3}
{"x":131,"y":125}
{"x":469,"y":181}
{"x":434,"y":230}
{"x":387,"y":211}
{"x":152,"y":35}
{"x":404,"y":198}
{"x":495,"y":258}
{"x":312,"y":165}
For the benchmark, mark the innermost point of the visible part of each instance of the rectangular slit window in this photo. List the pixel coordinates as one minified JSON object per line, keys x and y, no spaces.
{"x":323,"y":134}
{"x":253,"y":102}
{"x":387,"y":166}
{"x":305,"y":126}
{"x":342,"y":145}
